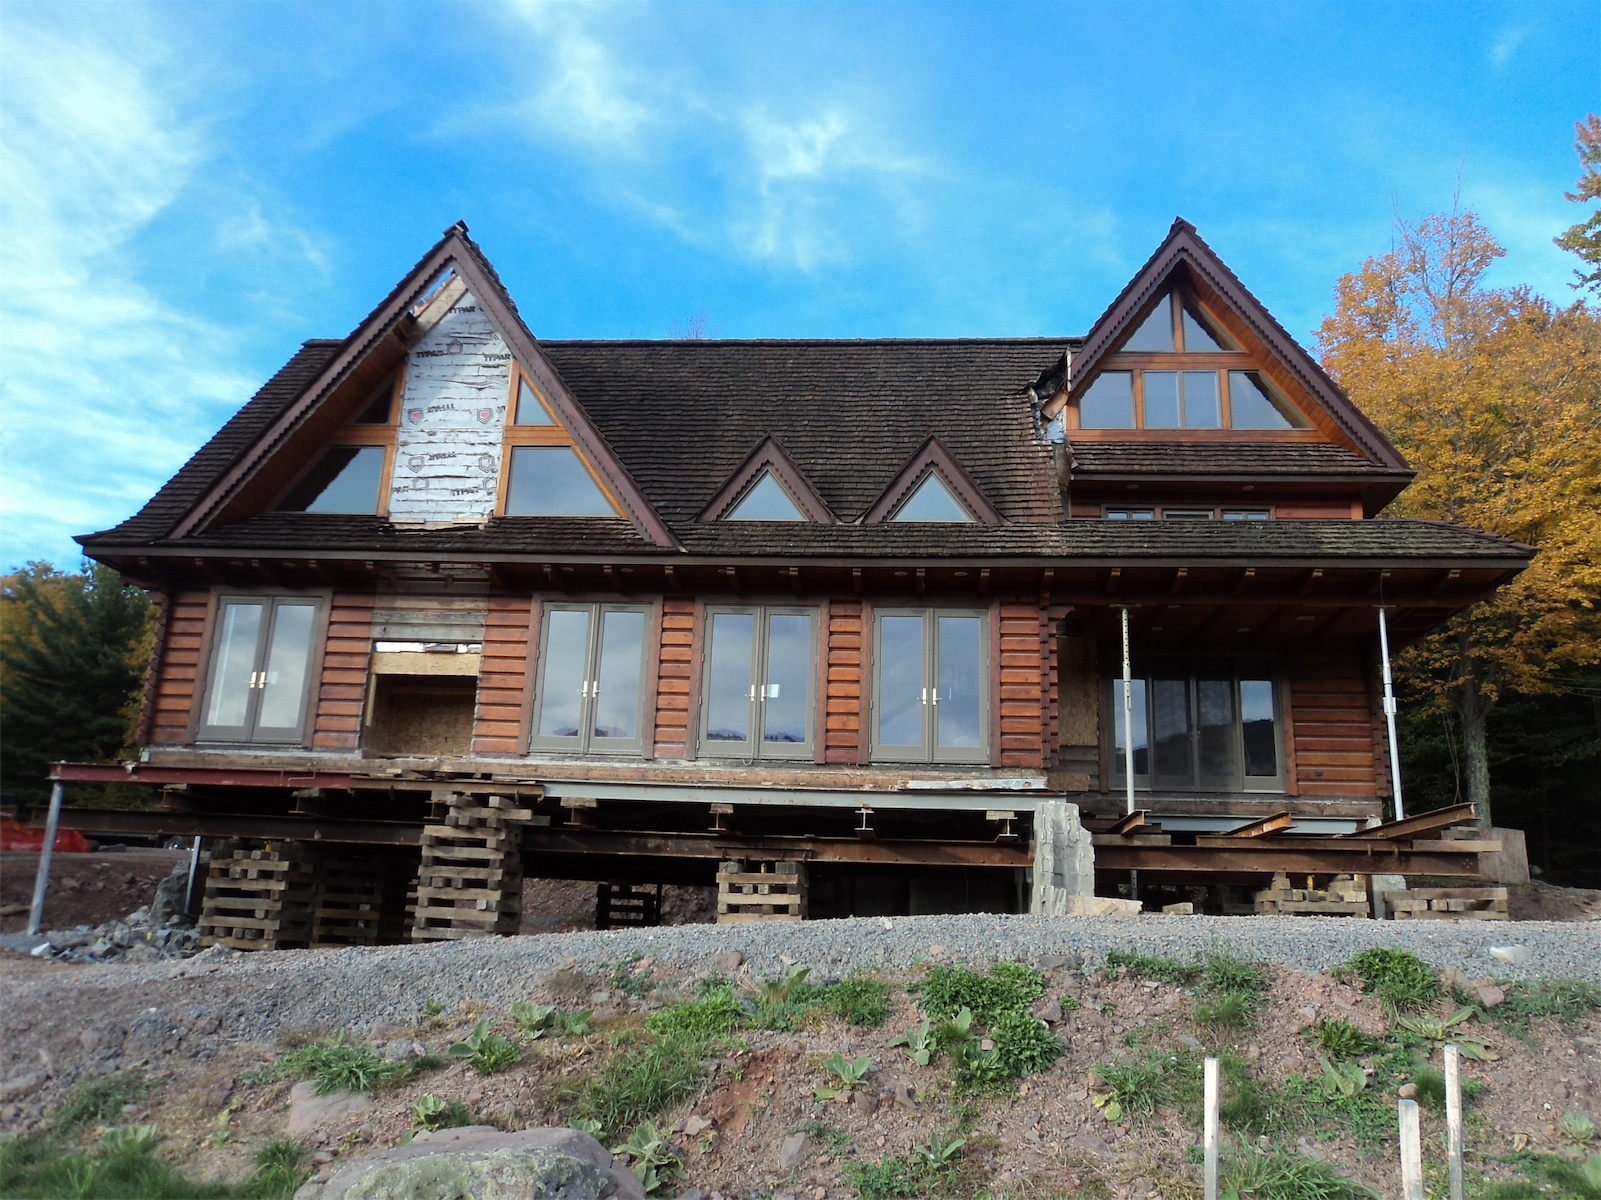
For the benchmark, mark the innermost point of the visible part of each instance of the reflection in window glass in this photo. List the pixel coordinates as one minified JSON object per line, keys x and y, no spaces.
{"x":900,"y":681}
{"x":622,"y":638}
{"x":562,"y":688}
{"x":552,"y":481}
{"x":957,"y":704}
{"x":1201,"y":408}
{"x":767,"y":501}
{"x":1256,"y":720}
{"x":730,"y":689}
{"x":1109,"y":402}
{"x":377,"y":409}
{"x":529,"y":410}
{"x":284,"y":688}
{"x":1252,"y":405}
{"x":1170,"y":718}
{"x":1142,"y":752}
{"x":932,"y":501}
{"x":344,"y":480}
{"x":1155,"y":334}
{"x":789,"y":655}
{"x":1247,"y":514}
{"x":234,"y":664}
{"x":1215,"y":749}
{"x":1198,"y":336}
{"x":1130,"y":514}
{"x":1161,"y":399}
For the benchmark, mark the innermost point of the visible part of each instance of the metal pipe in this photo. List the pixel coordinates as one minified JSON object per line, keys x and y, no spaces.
{"x":41,"y":881}
{"x":1128,"y":715}
{"x":1389,"y":716}
{"x":1209,"y":1133}
{"x":194,"y":869}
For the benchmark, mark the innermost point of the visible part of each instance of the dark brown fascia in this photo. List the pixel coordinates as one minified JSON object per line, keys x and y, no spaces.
{"x":1184,"y":248}
{"x":769,"y":455}
{"x":932,"y":455}
{"x":455,"y":251}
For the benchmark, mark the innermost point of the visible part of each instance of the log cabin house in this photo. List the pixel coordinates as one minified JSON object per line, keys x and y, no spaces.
{"x":836,"y":615}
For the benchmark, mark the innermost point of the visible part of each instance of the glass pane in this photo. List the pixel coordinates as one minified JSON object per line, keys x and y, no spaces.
{"x":551,"y":481}
{"x":1130,"y":514}
{"x":1198,"y":336}
{"x":288,"y":658}
{"x":767,"y":501}
{"x":1219,"y":754}
{"x":932,"y":501}
{"x":561,"y":687}
{"x":1161,"y":399}
{"x":957,"y":699}
{"x":1201,"y":410}
{"x":1170,"y":713}
{"x":1155,"y":333}
{"x":1256,"y":719}
{"x":789,"y":658}
{"x":728,"y":681}
{"x":376,"y":410}
{"x":622,"y":642}
{"x":235,"y":661}
{"x":529,"y":410}
{"x":344,"y":480}
{"x":900,"y":681}
{"x":1186,"y":514}
{"x":1251,"y":405}
{"x":1109,"y":402}
{"x":1142,"y":746}
{"x":1247,"y":514}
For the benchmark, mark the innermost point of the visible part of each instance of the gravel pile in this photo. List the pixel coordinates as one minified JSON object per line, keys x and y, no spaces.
{"x":363,"y":987}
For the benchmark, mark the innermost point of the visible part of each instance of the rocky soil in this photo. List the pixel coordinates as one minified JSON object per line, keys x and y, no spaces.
{"x":206,"y":1031}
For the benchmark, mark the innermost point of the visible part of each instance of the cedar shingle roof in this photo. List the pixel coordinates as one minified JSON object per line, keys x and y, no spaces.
{"x":1223,"y":458}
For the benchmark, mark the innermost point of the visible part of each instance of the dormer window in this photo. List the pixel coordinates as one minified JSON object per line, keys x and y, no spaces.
{"x":1179,"y":369}
{"x":766,"y":501}
{"x":931,"y":500}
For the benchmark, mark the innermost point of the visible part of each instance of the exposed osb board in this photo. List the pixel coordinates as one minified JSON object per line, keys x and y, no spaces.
{"x":452,"y":417}
{"x":1078,"y":692}
{"x":410,"y":663}
{"x":423,"y":618}
{"x":421,"y":717}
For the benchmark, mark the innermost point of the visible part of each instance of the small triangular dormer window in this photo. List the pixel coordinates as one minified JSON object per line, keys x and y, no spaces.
{"x":766,"y":501}
{"x":931,"y":500}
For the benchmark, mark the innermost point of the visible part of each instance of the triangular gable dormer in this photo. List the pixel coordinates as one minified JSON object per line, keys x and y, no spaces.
{"x":767,"y":486}
{"x":1187,"y":351}
{"x":461,"y":444}
{"x":932,"y":486}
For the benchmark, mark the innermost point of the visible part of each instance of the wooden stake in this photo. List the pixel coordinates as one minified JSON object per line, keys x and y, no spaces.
{"x":1209,"y":1134}
{"x":1453,"y":1118}
{"x":1411,"y":1152}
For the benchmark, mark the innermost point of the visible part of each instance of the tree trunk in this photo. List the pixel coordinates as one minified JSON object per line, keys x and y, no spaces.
{"x":1473,"y":707}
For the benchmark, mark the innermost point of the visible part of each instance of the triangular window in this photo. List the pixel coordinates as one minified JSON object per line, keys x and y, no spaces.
{"x":767,"y":501}
{"x":379,"y":409}
{"x":552,"y":481}
{"x":931,"y":500}
{"x":343,"y":479}
{"x":1199,"y":332}
{"x":1155,"y":334}
{"x":530,"y":409}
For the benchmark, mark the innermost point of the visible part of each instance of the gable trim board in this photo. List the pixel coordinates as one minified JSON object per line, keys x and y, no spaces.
{"x":769,"y":456}
{"x":454,"y":252}
{"x":1184,"y":251}
{"x":933,"y":456}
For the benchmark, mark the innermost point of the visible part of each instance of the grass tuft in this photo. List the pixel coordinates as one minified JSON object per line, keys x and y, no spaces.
{"x":1402,"y":980}
{"x":343,"y":1062}
{"x":1286,"y":1175}
{"x":1151,"y":966}
{"x":635,"y":1086}
{"x":97,"y":1101}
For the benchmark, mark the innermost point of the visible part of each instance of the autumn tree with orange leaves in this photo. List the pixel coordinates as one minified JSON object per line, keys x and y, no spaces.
{"x":1494,"y":396}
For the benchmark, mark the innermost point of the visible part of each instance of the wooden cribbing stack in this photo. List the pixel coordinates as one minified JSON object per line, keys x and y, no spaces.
{"x":1346,"y":896}
{"x":470,"y":883}
{"x":773,"y":891}
{"x":349,"y":903}
{"x":626,"y":905}
{"x":1449,"y":904}
{"x":259,"y":899}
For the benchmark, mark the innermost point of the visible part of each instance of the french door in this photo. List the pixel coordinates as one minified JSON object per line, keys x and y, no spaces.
{"x":930,"y":694}
{"x":260,"y":675}
{"x":591,"y":693}
{"x":760,"y":674}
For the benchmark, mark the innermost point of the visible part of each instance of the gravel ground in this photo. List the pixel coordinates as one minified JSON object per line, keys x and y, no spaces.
{"x":263,"y":994}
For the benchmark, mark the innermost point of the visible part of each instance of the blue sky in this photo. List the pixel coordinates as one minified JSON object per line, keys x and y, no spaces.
{"x":187,"y":191}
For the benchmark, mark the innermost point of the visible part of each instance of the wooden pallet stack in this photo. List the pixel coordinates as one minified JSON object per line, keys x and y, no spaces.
{"x":627,"y":905}
{"x":349,"y":904}
{"x":1346,"y":896}
{"x":470,"y":883}
{"x":1449,"y":904}
{"x":260,"y":898}
{"x":765,"y":891}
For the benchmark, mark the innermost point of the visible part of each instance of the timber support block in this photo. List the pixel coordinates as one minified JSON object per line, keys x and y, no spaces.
{"x":749,"y":891}
{"x":470,"y":883}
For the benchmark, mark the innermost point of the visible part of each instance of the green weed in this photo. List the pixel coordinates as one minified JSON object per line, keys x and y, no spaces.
{"x":1286,"y":1175}
{"x":1008,"y":987}
{"x":487,"y":1052}
{"x":637,"y":1086}
{"x":1403,"y":981}
{"x":1232,"y":1010}
{"x":99,"y":1100}
{"x":281,"y":1167}
{"x":1023,"y":1044}
{"x":1565,"y":999}
{"x":1431,"y":1089}
{"x":716,"y":1014}
{"x":653,"y":1160}
{"x":625,"y":979}
{"x":857,"y":1000}
{"x":343,"y":1062}
{"x":1150,"y":966}
{"x":430,"y":1112}
{"x":1341,"y":1039}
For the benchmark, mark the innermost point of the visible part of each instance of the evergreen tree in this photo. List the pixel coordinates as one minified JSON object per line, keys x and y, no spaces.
{"x":72,"y":665}
{"x":1584,"y":239}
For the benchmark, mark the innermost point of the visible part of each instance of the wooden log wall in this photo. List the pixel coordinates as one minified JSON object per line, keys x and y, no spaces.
{"x":842,"y":655}
{"x":676,"y":681}
{"x":1332,"y":711}
{"x":1021,"y":698}
{"x":173,"y":696}
{"x":504,"y":677}
{"x":342,"y":691}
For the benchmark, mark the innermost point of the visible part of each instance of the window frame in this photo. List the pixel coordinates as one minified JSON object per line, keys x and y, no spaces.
{"x":929,"y":750}
{"x":248,"y":733}
{"x":1219,"y":512}
{"x":583,"y":742}
{"x":350,"y":434}
{"x":553,"y":434}
{"x":1198,"y":668}
{"x":754,"y":748}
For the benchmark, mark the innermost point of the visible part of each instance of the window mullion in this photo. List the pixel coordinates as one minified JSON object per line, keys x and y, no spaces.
{"x":758,"y":681}
{"x":931,"y":678}
{"x":591,"y":698}
{"x":258,"y":668}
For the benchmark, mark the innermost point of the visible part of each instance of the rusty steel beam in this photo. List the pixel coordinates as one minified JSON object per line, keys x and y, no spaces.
{"x":207,"y":776}
{"x":1242,"y":857}
{"x":929,"y":853}
{"x":232,"y":825}
{"x":1439,"y":818}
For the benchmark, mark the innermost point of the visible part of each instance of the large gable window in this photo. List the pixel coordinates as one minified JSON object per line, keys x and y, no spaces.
{"x":350,"y":473}
{"x":759,"y":692}
{"x":930,"y":693}
{"x":543,"y":472}
{"x":1199,"y":724}
{"x":260,"y":675}
{"x":1180,"y":370}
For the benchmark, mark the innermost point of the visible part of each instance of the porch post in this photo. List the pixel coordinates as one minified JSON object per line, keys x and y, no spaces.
{"x":1389,"y":716}
{"x":41,"y":881}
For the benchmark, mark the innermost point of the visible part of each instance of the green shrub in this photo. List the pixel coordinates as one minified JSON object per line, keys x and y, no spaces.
{"x":343,"y":1062}
{"x":857,"y":1000}
{"x":1402,"y":980}
{"x":1008,"y":987}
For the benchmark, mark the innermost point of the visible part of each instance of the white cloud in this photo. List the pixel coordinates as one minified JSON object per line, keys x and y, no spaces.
{"x":584,"y":95}
{"x":106,"y":387}
{"x":1506,"y":44}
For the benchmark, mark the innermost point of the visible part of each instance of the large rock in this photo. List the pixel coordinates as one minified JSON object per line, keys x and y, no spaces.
{"x":1064,"y":859}
{"x":1099,"y":906}
{"x":307,"y":1110}
{"x":480,"y":1162}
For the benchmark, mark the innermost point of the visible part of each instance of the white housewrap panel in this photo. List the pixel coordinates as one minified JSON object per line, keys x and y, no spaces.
{"x":452,"y":416}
